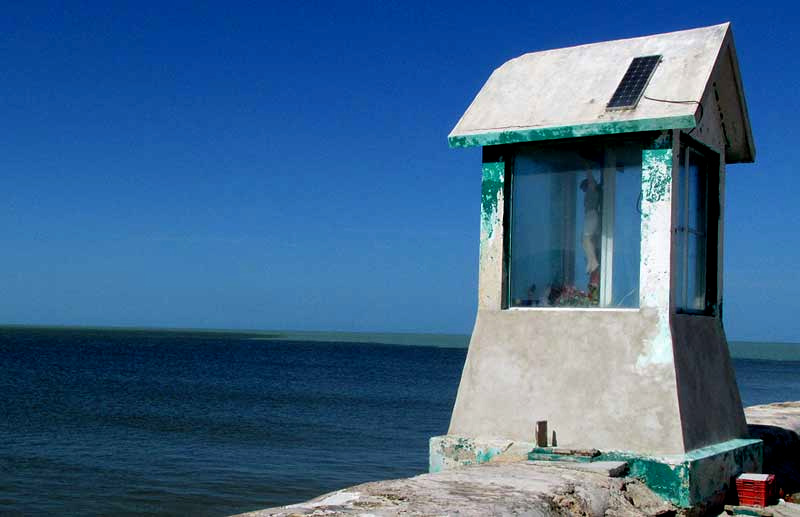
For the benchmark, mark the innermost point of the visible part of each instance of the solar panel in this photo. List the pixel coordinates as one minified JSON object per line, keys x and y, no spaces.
{"x":633,"y":83}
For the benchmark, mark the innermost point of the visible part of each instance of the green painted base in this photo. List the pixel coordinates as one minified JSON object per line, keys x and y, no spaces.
{"x":686,"y":480}
{"x":696,"y":477}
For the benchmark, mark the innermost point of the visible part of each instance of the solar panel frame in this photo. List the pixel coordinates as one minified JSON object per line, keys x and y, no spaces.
{"x":633,"y":83}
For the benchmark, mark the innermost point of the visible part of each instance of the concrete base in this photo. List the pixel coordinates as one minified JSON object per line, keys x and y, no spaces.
{"x":686,"y":480}
{"x":697,"y":477}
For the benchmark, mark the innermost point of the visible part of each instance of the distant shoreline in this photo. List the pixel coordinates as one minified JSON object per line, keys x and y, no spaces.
{"x":439,"y":340}
{"x":756,"y":350}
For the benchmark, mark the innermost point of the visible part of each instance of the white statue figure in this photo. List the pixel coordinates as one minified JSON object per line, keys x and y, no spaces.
{"x":591,"y":225}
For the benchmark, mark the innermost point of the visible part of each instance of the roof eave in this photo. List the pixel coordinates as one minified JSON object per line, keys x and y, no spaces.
{"x":534,"y":134}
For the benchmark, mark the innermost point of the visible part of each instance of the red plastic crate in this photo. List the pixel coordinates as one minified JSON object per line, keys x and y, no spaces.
{"x":755,"y":489}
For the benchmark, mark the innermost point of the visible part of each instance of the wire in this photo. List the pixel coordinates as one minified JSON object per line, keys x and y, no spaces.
{"x":699,"y":104}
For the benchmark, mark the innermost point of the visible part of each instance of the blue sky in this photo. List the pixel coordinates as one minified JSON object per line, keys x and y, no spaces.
{"x":250,"y":165}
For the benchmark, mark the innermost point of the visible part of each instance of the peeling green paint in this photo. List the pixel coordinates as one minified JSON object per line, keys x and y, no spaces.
{"x":491,"y":190}
{"x":672,"y":482}
{"x":451,"y":451}
{"x":574,"y":131}
{"x":482,"y":456}
{"x":656,"y":174}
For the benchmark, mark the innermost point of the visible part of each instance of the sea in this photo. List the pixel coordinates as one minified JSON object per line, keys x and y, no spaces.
{"x":97,"y":421}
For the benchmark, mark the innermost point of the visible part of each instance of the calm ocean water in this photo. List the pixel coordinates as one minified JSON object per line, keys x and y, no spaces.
{"x":118,"y":422}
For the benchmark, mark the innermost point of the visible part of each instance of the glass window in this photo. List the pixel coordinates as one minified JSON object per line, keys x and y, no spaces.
{"x":692,"y":232}
{"x":575,"y":226}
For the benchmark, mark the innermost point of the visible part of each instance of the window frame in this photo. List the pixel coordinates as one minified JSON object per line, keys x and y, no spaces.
{"x":510,"y":152}
{"x":709,"y":171}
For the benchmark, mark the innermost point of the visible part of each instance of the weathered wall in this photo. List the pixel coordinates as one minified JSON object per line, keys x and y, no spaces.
{"x":656,"y":232}
{"x":711,"y":410}
{"x":490,"y":277}
{"x":589,"y":373}
{"x":710,"y":404}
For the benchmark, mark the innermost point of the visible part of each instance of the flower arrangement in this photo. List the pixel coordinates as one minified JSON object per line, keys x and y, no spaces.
{"x":570,"y":296}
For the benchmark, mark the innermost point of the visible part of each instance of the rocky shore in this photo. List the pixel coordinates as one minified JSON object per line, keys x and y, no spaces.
{"x":542,"y":489}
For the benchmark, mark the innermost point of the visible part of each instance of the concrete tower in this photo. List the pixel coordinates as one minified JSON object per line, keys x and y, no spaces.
{"x":600,"y":283}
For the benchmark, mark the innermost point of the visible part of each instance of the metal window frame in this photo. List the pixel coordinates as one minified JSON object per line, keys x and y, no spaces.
{"x":709,"y":170}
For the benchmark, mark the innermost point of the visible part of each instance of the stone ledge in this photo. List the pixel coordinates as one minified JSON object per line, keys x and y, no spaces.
{"x":612,"y":469}
{"x":489,"y":489}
